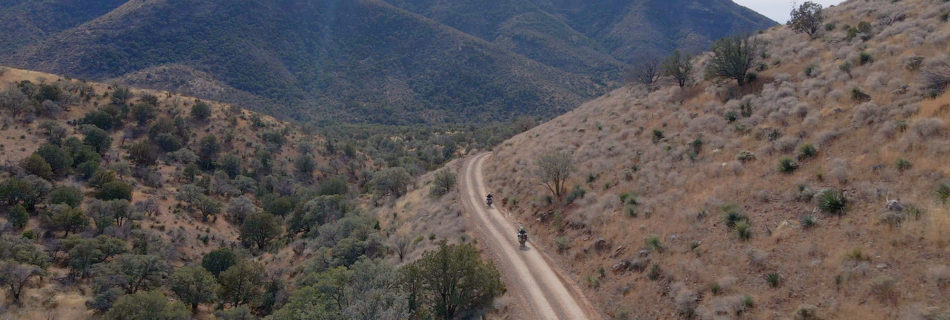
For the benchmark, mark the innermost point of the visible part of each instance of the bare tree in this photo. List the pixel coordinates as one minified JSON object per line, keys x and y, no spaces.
{"x":646,"y":72}
{"x":553,"y":170}
{"x":807,"y":18}
{"x":678,"y":67}
{"x":16,"y":276}
{"x":400,"y":243}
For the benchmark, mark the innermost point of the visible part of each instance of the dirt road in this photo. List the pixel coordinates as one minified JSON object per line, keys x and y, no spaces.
{"x":526,"y":272}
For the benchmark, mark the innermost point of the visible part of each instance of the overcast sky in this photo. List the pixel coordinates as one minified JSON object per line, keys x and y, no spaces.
{"x":779,"y":10}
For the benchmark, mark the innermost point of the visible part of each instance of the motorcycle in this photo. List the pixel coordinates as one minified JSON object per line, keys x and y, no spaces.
{"x":488,"y":200}
{"x":522,"y":238}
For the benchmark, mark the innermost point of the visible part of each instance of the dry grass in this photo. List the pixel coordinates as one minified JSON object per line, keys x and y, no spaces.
{"x":612,"y":138}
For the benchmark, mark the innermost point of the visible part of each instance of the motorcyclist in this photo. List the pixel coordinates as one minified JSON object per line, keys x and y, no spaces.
{"x":489,"y":198}
{"x":522,"y":234}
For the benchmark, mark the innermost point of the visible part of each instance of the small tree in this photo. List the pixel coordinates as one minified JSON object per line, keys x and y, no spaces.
{"x":18,"y":217}
{"x":143,"y":153}
{"x":678,"y":67}
{"x":151,"y":305}
{"x":60,"y":217}
{"x":451,"y":281}
{"x":647,"y":72}
{"x":219,"y":260}
{"x":553,"y":170}
{"x":305,"y":165}
{"x":733,"y":57}
{"x":35,"y":165}
{"x":442,"y":183}
{"x":241,"y":283}
{"x":194,"y":285}
{"x":115,"y":190}
{"x":391,"y":181}
{"x":132,"y":272}
{"x":67,"y":195}
{"x":201,"y":111}
{"x":98,"y":139}
{"x":259,"y":229}
{"x":806,"y":18}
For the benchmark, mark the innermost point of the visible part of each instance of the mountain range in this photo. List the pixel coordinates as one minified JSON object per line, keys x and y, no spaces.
{"x":391,"y":62}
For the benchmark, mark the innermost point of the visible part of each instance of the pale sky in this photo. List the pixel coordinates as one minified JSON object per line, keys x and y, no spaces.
{"x":779,"y":10}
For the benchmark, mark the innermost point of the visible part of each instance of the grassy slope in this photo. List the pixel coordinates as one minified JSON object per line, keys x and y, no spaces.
{"x":858,"y":145}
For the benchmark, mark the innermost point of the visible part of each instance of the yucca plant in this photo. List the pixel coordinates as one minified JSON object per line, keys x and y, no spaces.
{"x":832,"y":201}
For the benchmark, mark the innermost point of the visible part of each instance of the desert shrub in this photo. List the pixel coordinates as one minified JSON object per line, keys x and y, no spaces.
{"x":856,"y":254}
{"x":914,"y":63}
{"x":731,"y":116}
{"x":657,"y":135}
{"x":808,"y":221}
{"x":774,"y":279}
{"x":902,"y":164}
{"x":653,"y":242}
{"x":655,"y":272}
{"x":811,"y":70}
{"x":743,"y":230}
{"x":732,"y":214}
{"x":577,"y":193}
{"x":115,"y":190}
{"x":805,"y":312}
{"x":885,"y":289}
{"x":832,"y":201}
{"x":859,"y":96}
{"x":787,"y":165}
{"x":846,"y":68}
{"x":35,"y":165}
{"x":147,"y":305}
{"x":745,"y":156}
{"x":17,"y":217}
{"x":865,"y":58}
{"x":560,"y":243}
{"x":936,"y":78}
{"x":943,"y":191}
{"x":892,"y":219}
{"x":807,"y":151}
{"x":913,"y":210}
{"x":68,"y":195}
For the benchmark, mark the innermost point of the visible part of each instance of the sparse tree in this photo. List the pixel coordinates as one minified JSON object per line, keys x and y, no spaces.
{"x":553,"y":169}
{"x":59,"y":217}
{"x":391,"y":181}
{"x":18,"y":217}
{"x":806,"y":18}
{"x":109,"y":213}
{"x":86,"y":252}
{"x":259,"y":229}
{"x":97,"y":138}
{"x":131,"y":272}
{"x":733,"y":57}
{"x":442,"y":183}
{"x":15,"y":276}
{"x":678,"y":67}
{"x":647,"y":72}
{"x":201,"y":111}
{"x":151,"y":305}
{"x":67,"y":195}
{"x":241,"y":283}
{"x":218,"y":260}
{"x":239,"y":208}
{"x":143,"y":153}
{"x":194,"y":285}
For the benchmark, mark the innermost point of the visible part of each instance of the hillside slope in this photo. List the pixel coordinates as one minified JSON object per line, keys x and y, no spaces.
{"x":680,"y":205}
{"x":366,"y":61}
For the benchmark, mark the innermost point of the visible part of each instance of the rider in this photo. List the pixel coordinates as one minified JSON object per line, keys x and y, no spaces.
{"x":489,"y":199}
{"x":522,"y":233}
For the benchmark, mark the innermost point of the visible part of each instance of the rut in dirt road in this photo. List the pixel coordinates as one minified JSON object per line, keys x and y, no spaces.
{"x":545,"y":293}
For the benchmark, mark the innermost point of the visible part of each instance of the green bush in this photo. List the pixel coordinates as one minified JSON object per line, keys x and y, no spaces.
{"x":731,"y":215}
{"x":743,"y":230}
{"x":865,"y":58}
{"x":560,"y":243}
{"x":577,"y":193}
{"x":807,"y":151}
{"x":787,"y":165}
{"x":201,"y":111}
{"x":808,"y":221}
{"x":943,"y":191}
{"x":832,"y":201}
{"x":859,"y":96}
{"x":902,"y":164}
{"x":774,"y":279}
{"x":115,"y":190}
{"x":745,"y":156}
{"x":654,"y":243}
{"x":18,"y":217}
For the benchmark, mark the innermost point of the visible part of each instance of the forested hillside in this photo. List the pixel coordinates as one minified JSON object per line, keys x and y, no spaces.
{"x":122,"y":203}
{"x":396,"y":62}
